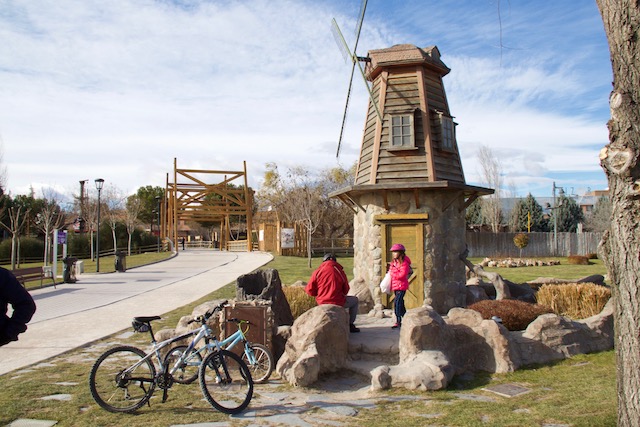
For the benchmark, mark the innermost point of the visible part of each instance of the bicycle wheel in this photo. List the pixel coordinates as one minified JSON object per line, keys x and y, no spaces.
{"x":262,"y":368}
{"x":188,"y":370}
{"x":121,"y":381}
{"x":226,"y":382}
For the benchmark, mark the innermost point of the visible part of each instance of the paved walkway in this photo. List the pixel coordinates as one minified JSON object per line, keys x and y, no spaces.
{"x":98,"y":305}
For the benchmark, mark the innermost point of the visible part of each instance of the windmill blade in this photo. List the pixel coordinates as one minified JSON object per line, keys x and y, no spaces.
{"x":355,"y":60}
{"x":346,"y":110}
{"x":363,"y":8}
{"x":340,"y":41}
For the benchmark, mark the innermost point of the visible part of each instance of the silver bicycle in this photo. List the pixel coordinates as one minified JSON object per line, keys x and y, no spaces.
{"x":124,"y":378}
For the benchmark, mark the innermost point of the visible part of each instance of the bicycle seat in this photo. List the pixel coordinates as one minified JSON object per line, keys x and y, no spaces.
{"x":146,"y":319}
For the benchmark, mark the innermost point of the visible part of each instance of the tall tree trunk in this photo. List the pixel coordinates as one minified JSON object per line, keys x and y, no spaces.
{"x":619,"y":159}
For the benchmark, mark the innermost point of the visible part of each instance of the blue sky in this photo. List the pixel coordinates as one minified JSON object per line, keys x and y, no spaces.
{"x":116,"y":90}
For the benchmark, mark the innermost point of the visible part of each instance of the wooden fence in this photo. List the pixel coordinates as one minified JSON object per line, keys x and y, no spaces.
{"x":540,"y":244}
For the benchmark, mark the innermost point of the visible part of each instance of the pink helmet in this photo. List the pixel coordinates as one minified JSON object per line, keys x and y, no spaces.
{"x":397,"y":248}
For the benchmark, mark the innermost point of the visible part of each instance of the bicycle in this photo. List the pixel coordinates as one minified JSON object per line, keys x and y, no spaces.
{"x":124,"y":378}
{"x":257,"y":356}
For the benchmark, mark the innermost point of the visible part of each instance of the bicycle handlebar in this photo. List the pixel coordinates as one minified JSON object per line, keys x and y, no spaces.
{"x":203,"y":318}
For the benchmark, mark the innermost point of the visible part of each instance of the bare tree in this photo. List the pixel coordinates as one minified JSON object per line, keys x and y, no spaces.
{"x":134,"y":206}
{"x":48,"y":219}
{"x":115,"y":212}
{"x":619,"y":159}
{"x":16,"y":222}
{"x":492,"y":177}
{"x":305,"y":203}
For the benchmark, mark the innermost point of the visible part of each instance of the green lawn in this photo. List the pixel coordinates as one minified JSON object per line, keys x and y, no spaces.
{"x":578,"y":392}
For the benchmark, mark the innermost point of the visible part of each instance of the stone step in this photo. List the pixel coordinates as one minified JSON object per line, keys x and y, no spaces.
{"x":364,"y":367}
{"x":375,"y":342}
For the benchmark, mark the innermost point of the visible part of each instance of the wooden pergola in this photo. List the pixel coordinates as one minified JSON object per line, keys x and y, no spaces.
{"x":193,"y":197}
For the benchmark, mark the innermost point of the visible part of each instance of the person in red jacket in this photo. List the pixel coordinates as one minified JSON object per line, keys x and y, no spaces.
{"x":329,"y":285}
{"x":399,"y":270}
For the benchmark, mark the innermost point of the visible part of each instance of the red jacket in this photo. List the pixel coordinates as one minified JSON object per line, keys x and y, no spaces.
{"x":329,"y":284}
{"x":399,"y":272}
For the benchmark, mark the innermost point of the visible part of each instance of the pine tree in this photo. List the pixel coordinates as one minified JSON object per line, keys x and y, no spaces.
{"x":569,"y":215}
{"x":527,"y":206}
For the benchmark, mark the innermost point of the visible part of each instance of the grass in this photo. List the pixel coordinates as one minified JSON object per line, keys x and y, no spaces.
{"x":580,"y":391}
{"x":562,"y":271}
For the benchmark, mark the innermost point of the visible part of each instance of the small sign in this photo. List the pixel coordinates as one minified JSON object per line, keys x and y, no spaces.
{"x":287,"y":238}
{"x":62,"y":237}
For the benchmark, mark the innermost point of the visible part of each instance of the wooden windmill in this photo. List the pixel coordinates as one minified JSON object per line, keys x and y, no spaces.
{"x":409,"y":186}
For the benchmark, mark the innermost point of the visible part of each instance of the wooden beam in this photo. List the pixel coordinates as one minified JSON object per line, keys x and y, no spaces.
{"x":469,"y":200}
{"x":382,"y":96}
{"x":426,"y":124}
{"x":416,"y":197}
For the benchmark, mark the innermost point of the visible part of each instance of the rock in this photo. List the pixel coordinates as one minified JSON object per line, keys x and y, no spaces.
{"x":280,"y":340}
{"x":427,"y":370}
{"x":598,"y":279}
{"x":475,"y":292}
{"x":265,"y":284}
{"x":380,"y":378}
{"x":423,"y":329}
{"x":551,"y":337}
{"x":479,"y":344}
{"x":359,"y":288}
{"x":318,"y":344}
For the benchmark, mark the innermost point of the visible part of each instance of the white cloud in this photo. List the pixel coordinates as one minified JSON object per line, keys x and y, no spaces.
{"x":118,"y":89}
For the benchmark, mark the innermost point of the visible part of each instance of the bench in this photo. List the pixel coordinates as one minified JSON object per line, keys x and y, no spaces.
{"x":31,"y":274}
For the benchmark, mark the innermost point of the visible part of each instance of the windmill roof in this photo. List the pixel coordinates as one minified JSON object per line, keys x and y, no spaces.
{"x":406,"y":54}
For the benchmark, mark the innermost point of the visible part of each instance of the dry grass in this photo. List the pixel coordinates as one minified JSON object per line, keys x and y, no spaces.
{"x":298,"y":299}
{"x":575,"y":300}
{"x":578,"y":260}
{"x":516,"y":315}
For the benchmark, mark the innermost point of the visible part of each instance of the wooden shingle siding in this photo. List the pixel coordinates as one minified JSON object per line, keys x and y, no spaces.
{"x":407,"y":88}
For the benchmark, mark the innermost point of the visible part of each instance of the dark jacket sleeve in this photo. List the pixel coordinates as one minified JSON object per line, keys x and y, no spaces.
{"x":12,"y":293}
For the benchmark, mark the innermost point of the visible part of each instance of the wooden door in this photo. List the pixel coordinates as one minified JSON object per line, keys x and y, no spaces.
{"x":411,"y":236}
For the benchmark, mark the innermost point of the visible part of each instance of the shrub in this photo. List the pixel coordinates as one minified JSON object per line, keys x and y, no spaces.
{"x":578,"y":260}
{"x":30,"y":248}
{"x":521,"y":241}
{"x":575,"y":300}
{"x":298,"y":300}
{"x":516,"y":315}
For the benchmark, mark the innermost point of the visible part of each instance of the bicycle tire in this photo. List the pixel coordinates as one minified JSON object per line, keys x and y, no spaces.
{"x":115,"y":392}
{"x":262,"y":369}
{"x":226,"y":382}
{"x":186,"y":373}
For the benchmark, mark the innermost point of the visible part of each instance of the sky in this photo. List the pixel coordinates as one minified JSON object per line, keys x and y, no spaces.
{"x":117,"y":89}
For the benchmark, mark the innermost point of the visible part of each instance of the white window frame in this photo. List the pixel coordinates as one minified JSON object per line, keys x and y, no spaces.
{"x":407,"y":136}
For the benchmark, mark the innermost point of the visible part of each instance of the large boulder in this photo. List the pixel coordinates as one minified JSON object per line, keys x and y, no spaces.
{"x":551,"y":337}
{"x":479,"y":344}
{"x":318,"y":344}
{"x":359,"y":288}
{"x":265,"y":284}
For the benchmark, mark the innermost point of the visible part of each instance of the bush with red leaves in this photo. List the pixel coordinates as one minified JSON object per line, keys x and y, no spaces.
{"x":516,"y":315}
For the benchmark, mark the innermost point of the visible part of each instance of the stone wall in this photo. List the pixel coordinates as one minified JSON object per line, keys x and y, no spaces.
{"x":444,"y":241}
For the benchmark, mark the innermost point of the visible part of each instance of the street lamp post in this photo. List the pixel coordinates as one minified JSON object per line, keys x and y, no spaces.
{"x":158,"y":212}
{"x":99,"y":185}
{"x":555,"y":217}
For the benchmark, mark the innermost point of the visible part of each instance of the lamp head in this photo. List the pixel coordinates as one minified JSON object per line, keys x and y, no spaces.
{"x":99,"y":183}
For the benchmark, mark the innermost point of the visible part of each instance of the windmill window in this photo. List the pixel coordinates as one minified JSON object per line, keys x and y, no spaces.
{"x":402,"y":131}
{"x":448,"y":129}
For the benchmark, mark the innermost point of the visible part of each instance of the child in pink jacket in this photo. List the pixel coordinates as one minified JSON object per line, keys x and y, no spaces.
{"x":399,"y":269}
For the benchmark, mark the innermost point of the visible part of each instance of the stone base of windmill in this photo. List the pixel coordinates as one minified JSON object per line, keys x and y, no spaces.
{"x":430,"y":349}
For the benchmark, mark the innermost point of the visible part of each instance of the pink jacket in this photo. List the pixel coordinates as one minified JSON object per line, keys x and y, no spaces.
{"x":399,"y":272}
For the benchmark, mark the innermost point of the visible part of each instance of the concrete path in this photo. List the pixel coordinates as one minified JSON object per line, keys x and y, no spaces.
{"x":98,"y":305}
